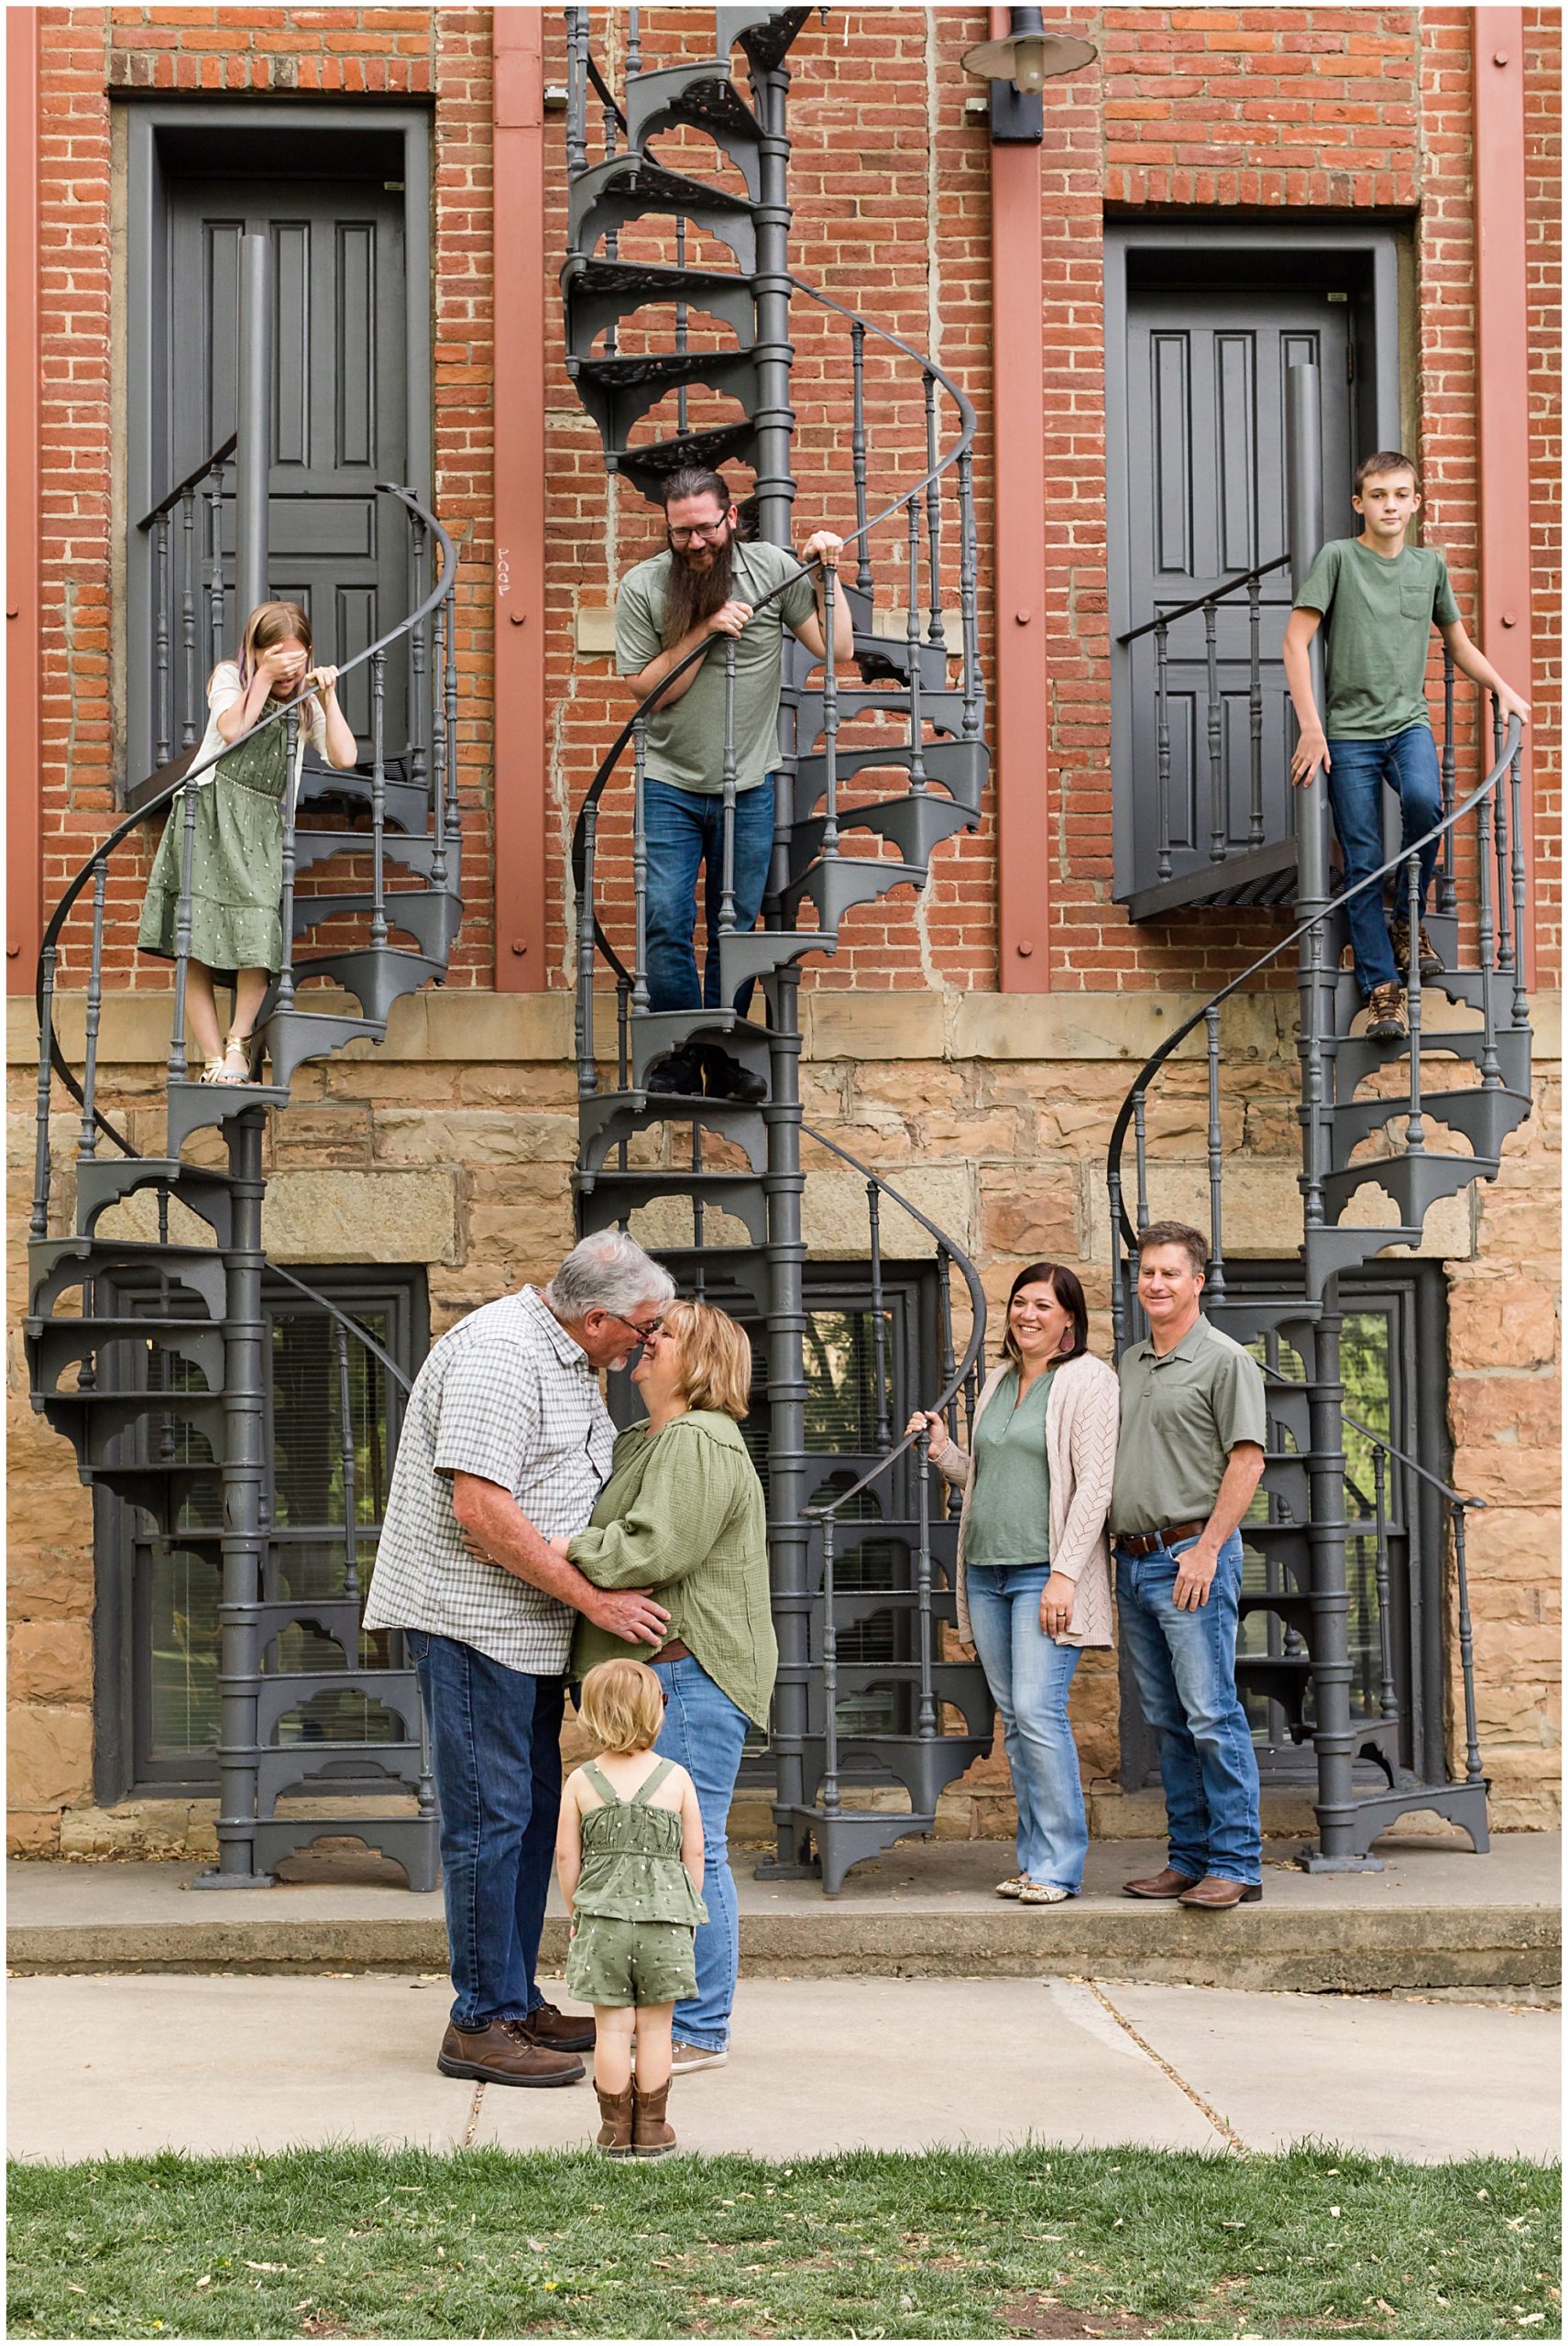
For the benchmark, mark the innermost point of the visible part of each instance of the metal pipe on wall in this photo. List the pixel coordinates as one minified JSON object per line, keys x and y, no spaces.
{"x":253,"y":454}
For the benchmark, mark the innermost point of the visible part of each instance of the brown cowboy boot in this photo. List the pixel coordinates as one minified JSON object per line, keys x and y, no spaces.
{"x":614,"y":2137}
{"x":650,"y":2138}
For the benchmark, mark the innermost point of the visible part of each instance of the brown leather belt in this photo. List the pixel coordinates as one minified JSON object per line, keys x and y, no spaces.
{"x":1144,"y":1543}
{"x":676,"y":1651}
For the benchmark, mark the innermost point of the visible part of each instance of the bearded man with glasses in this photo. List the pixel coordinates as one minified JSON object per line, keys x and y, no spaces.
{"x":708,"y":585}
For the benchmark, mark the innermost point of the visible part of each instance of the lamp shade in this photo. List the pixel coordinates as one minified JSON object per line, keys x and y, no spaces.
{"x":1027,"y":59}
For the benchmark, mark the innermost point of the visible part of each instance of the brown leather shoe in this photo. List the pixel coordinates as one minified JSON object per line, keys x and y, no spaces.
{"x":1214,"y":1892}
{"x":1168,"y":1884}
{"x":614,"y":2137}
{"x":650,"y":2137}
{"x":560,"y":2031}
{"x":500,"y":2055}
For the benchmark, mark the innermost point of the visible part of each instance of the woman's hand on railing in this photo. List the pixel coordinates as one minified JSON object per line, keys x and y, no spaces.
{"x":939,"y":1442}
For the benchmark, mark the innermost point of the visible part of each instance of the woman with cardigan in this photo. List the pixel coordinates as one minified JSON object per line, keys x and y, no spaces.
{"x":1034,"y":1573}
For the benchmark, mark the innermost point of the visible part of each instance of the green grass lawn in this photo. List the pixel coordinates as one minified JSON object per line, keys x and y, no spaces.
{"x":1041,"y":2242}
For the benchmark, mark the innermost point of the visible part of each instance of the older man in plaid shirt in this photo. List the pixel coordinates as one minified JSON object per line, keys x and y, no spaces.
{"x":507,"y":1437}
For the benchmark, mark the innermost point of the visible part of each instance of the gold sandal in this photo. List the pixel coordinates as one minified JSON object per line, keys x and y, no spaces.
{"x":249,"y":1052}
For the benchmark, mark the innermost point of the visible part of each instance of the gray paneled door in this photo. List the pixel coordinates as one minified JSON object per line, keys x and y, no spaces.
{"x":1205,"y":389}
{"x":340,"y":391}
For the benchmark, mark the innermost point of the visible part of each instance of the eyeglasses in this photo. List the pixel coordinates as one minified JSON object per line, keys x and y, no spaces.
{"x":641,"y":1334}
{"x":702,"y":530}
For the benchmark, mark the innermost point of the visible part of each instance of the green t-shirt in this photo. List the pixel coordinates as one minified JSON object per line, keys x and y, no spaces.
{"x":1378,"y":613}
{"x":1183,"y":1413}
{"x":685,"y":741}
{"x":1009,"y":1520}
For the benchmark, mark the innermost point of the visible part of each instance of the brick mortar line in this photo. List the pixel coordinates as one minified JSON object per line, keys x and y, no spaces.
{"x":1232,"y":2139}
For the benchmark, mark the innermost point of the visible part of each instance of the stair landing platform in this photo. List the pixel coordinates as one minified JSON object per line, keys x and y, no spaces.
{"x":1437,"y":1917}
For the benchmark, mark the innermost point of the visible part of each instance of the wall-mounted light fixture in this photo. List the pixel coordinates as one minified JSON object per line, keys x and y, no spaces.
{"x":1018,"y":66}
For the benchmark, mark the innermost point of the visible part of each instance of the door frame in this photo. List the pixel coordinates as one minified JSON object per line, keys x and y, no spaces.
{"x":1374,"y":252}
{"x":155,"y":132}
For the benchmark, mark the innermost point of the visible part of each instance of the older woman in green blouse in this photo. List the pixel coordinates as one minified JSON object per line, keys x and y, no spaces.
{"x":682,"y":1515}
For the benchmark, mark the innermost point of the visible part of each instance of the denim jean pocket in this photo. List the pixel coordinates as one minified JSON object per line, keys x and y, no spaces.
{"x":416,"y":1645}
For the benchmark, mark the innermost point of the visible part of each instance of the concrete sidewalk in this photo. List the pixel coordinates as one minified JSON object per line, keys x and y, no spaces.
{"x":122,"y":2064}
{"x":1437,"y":1916}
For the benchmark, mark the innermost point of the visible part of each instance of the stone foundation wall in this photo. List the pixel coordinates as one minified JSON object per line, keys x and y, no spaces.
{"x":451,"y":1147}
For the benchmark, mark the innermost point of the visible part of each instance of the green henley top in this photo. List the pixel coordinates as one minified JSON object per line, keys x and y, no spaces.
{"x":1009,"y":1520}
{"x":685,"y":741}
{"x":1379,"y":612}
{"x":682,"y":1515}
{"x":1183,"y":1413}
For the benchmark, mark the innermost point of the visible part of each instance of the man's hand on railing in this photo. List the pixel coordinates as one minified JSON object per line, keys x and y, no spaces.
{"x":1310,"y":752}
{"x":729,"y":617}
{"x":940,"y":1443}
{"x":824,"y":547}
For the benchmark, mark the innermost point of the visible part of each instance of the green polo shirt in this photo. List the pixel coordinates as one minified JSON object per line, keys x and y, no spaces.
{"x":685,"y":741}
{"x":1183,"y":1413}
{"x":682,"y":1515}
{"x":1379,"y":612}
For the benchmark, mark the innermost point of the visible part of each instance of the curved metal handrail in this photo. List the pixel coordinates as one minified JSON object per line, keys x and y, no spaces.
{"x":165,"y":797}
{"x":972,"y":1350}
{"x":1157,"y":1059}
{"x":613,"y":755}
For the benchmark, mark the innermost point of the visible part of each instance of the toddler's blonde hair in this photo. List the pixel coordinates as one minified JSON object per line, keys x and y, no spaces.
{"x":622,"y":1706}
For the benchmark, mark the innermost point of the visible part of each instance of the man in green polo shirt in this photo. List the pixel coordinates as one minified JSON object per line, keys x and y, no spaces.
{"x":711,"y":584}
{"x":1189,"y":1458}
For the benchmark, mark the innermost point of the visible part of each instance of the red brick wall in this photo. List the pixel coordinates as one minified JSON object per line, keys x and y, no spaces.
{"x":1543,"y":201}
{"x":1213,"y":108}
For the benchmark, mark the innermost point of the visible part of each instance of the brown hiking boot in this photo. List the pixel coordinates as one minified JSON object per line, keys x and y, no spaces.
{"x":1168,"y":1884}
{"x":650,"y":2138}
{"x":1399,"y":938}
{"x":1388,"y":1020}
{"x":557,"y":2031}
{"x":1215,"y":1892}
{"x":614,"y":2137}
{"x":500,"y":2054}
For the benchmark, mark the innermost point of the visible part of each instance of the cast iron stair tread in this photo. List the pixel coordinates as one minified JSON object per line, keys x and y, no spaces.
{"x":650,"y":465}
{"x":837,"y":883}
{"x":430,"y":916}
{"x":654,"y":1032}
{"x":850,"y":1836}
{"x":703,"y":96}
{"x":107,"y":1181}
{"x":765,"y":34}
{"x":631,"y":173}
{"x":1263,"y":876}
{"x":1355,"y":1059}
{"x":739,"y":1194}
{"x":409,"y":1841}
{"x":1415,"y":1181}
{"x":962,"y":767}
{"x":916,"y":825}
{"x":415,"y":850}
{"x":666,"y":368}
{"x":1485,"y":1116}
{"x":759,"y":952}
{"x":598,"y":274}
{"x":621,"y":1115}
{"x":59,"y":1265}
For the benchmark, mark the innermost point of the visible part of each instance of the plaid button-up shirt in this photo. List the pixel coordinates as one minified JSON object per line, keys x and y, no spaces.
{"x":508,"y":1396}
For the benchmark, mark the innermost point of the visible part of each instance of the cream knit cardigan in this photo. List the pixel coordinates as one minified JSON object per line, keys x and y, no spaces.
{"x":1082,"y":1411}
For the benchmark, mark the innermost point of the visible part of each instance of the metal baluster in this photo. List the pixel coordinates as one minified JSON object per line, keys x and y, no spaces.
{"x":1119,"y":1309}
{"x":38,"y":1225}
{"x":1415,"y":1130}
{"x":612,"y":240}
{"x":346,"y":1452}
{"x":418,"y":768}
{"x":1388,"y":1698}
{"x":727,"y":897}
{"x":176,"y":1063}
{"x":633,"y":43}
{"x":88,"y":1144}
{"x":699,"y":1233}
{"x":1447,"y":892}
{"x":1255,"y":708}
{"x":216,"y":568}
{"x":1473,"y":1773}
{"x":947,"y":1358}
{"x":378,"y":798}
{"x":1491,"y":1074}
{"x":1313,"y":1117}
{"x":639,"y":864}
{"x":577,"y":93}
{"x":587,"y":1072}
{"x":1515,"y":799}
{"x":878,"y":1319}
{"x":1217,"y":817}
{"x":166,"y":1443}
{"x":857,"y":453}
{"x":935,"y":630}
{"x":453,"y":815}
{"x":1162,"y":741}
{"x":1141,"y":1152}
{"x":683,"y":418}
{"x":188,"y":732}
{"x":285,"y":993}
{"x":1216,"y":1286}
{"x":829,"y":716}
{"x":829,"y":1676}
{"x":438,"y":750}
{"x":927,"y":1721}
{"x":917,"y":785}
{"x":622,"y":1028}
{"x":1500,"y":841}
{"x":968,"y":598}
{"x":160,"y":642}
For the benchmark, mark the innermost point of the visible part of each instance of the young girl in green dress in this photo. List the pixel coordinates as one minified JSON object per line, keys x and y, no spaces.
{"x":629,"y":1853}
{"x":237,"y":870}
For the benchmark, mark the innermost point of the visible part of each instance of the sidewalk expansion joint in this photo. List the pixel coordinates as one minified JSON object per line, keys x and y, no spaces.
{"x":474,"y":2106}
{"x":1233,"y":2141}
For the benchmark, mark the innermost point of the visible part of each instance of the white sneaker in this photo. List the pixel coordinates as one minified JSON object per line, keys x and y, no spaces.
{"x":695,"y":2056}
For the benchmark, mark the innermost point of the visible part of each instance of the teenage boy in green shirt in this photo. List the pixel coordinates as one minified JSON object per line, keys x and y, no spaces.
{"x":1381,"y":596}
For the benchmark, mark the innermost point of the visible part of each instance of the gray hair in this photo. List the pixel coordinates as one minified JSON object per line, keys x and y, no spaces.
{"x":609,"y":1272}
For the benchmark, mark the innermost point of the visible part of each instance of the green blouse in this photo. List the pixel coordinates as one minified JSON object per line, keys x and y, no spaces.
{"x":631,"y":1858}
{"x":1010,"y":1504}
{"x":682,"y":1515}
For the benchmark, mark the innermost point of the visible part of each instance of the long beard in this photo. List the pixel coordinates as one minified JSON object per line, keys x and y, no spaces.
{"x":692,"y":596}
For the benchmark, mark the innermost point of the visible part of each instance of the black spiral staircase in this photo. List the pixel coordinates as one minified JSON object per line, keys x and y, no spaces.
{"x":145,"y":1334}
{"x":868,"y":1696}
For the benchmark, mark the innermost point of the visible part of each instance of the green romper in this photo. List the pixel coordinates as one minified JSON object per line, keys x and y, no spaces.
{"x":636,"y":1908}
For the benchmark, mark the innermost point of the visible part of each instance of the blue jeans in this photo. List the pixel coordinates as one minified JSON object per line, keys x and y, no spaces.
{"x":1185,"y":1664}
{"x":1357,"y":771}
{"x":684,"y":830}
{"x":703,"y":1731}
{"x":495,"y":1737}
{"x":1029,"y":1676}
